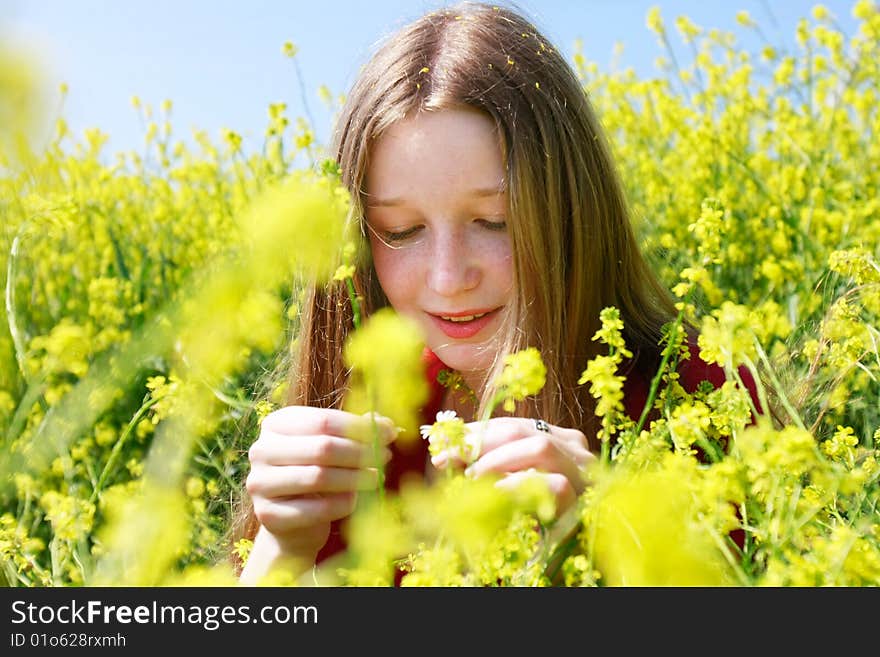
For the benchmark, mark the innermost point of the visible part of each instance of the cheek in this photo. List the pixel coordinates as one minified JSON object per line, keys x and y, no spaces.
{"x":396,"y":273}
{"x":500,"y":265}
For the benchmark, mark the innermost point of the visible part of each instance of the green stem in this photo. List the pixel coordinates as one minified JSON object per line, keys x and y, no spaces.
{"x":605,"y":450}
{"x":211,"y":460}
{"x":302,"y":94}
{"x":11,"y":318}
{"x":32,"y":394}
{"x":355,"y":303}
{"x":655,"y":382}
{"x":793,"y":414}
{"x":761,"y":396}
{"x":567,"y":529}
{"x":377,"y":460}
{"x":117,"y":448}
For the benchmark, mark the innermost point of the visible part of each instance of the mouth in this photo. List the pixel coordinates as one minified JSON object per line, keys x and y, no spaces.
{"x":465,"y":324}
{"x":462,"y":318}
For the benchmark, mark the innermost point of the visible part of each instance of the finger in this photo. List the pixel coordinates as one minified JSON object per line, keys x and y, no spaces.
{"x":306,"y":420}
{"x":368,"y":427}
{"x":457,"y":455}
{"x":498,"y":431}
{"x":501,"y":431}
{"x":558,"y":485}
{"x":276,"y":449}
{"x":539,"y":452}
{"x":280,"y":515}
{"x":448,"y":459}
{"x":287,"y":481}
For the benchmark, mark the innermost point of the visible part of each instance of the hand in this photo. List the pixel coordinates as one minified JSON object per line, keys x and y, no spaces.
{"x":511,"y":446}
{"x":306,"y":468}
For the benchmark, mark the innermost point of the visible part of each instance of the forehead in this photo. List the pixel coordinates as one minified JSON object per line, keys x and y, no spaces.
{"x":450,"y":148}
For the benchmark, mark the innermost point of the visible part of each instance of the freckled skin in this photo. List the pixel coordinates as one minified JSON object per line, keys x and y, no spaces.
{"x":455,"y":260}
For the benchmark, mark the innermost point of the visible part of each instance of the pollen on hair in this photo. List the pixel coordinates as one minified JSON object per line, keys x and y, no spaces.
{"x":424,"y":69}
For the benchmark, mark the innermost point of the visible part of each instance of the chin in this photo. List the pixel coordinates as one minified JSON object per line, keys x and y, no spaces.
{"x":465,"y":358}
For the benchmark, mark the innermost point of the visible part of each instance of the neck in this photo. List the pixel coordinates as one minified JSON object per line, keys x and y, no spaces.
{"x":462,"y":403}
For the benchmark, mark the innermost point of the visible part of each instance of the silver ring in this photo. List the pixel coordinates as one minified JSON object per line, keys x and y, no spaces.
{"x":540,"y":425}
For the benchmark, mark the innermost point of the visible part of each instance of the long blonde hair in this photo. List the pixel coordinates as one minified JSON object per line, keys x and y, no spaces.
{"x":574,"y":247}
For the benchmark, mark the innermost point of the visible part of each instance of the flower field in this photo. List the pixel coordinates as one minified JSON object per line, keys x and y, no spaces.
{"x":151,"y":300}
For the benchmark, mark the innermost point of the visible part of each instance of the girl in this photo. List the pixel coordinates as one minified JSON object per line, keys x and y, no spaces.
{"x":496,"y":220}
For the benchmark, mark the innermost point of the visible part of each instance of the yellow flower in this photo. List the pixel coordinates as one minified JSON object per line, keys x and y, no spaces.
{"x":864,"y":10}
{"x":708,"y":229}
{"x":605,"y":385}
{"x":644,"y":530}
{"x":727,"y":337}
{"x":301,"y":222}
{"x":689,"y":424}
{"x":855,"y":263}
{"x":343,"y":272}
{"x":71,"y":518}
{"x":440,"y":566}
{"x":449,"y":433}
{"x":263,"y":407}
{"x":821,"y":13}
{"x":611,"y":331}
{"x":745,"y":19}
{"x":385,"y":356}
{"x":195,"y":487}
{"x":524,"y":374}
{"x":601,"y":373}
{"x":654,"y":20}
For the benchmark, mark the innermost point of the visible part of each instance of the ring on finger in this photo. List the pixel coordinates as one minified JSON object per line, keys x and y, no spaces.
{"x":541,"y":425}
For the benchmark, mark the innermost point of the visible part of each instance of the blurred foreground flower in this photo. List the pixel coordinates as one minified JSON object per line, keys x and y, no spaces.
{"x":644,"y":529}
{"x":385,"y":356}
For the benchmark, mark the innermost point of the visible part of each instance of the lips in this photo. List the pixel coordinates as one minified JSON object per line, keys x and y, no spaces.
{"x":463,"y":325}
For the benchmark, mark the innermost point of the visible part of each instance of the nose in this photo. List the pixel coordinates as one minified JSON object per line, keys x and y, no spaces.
{"x":453,"y":265}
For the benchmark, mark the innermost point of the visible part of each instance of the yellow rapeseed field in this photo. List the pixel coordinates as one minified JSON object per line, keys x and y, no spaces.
{"x":149,"y":296}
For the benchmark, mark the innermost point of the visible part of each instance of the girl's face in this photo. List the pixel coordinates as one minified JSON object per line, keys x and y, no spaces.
{"x":436,"y":210}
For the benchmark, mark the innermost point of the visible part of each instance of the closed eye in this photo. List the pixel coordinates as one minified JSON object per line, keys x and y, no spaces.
{"x":399,"y":236}
{"x":395,"y":237}
{"x":493,"y":225}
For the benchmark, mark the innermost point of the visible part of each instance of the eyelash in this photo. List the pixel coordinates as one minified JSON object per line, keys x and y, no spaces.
{"x":495,"y":226}
{"x":388,"y":236}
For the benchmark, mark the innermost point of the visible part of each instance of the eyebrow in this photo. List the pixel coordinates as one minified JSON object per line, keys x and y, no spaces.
{"x":481,"y":192}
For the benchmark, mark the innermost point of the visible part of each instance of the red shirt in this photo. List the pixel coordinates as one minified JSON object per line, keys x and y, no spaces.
{"x":411,"y":458}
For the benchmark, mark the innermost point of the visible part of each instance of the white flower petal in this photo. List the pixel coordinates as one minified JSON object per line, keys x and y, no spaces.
{"x":443,"y":416}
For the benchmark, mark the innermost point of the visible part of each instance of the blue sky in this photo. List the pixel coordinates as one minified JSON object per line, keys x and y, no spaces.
{"x":220,"y":62}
